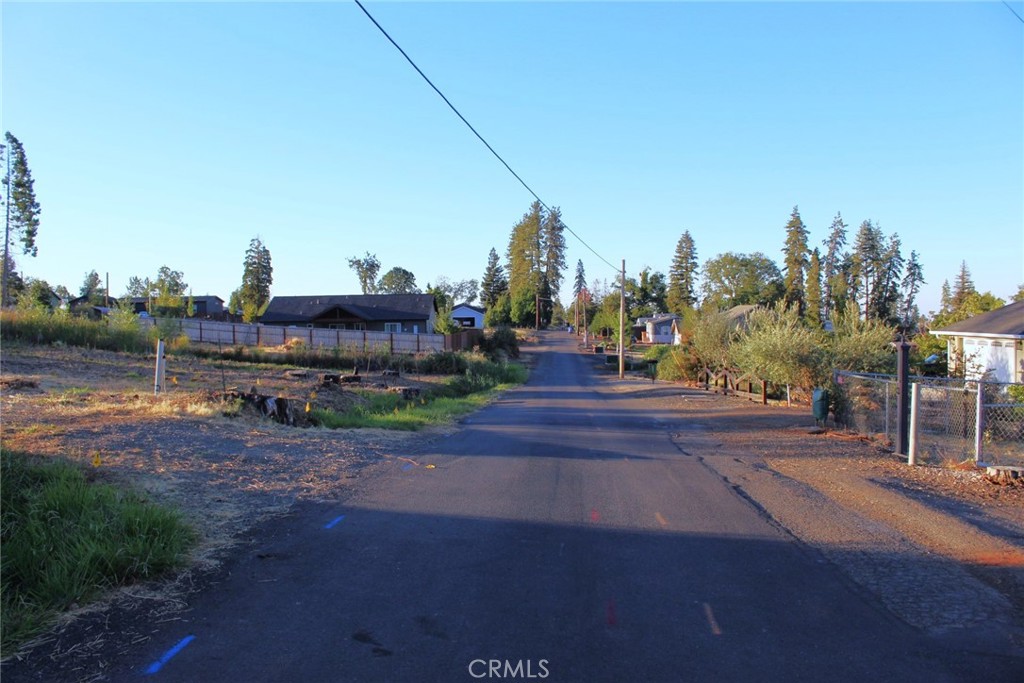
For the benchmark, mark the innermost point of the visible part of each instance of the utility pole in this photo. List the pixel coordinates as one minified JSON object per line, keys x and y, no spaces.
{"x":536,"y":325}
{"x":622,"y":322}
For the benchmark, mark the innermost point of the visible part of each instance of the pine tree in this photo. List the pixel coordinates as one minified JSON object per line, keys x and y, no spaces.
{"x":795,"y":262}
{"x":963,"y":287}
{"x":946,"y":298}
{"x":525,"y":257}
{"x":913,"y":278}
{"x":553,"y":240}
{"x":494,"y":283}
{"x":257,"y":276}
{"x":814,"y":294}
{"x":580,"y":282}
{"x":885,"y":296}
{"x":833,"y":275}
{"x":682,"y":276}
{"x":22,"y":209}
{"x":864,"y":271}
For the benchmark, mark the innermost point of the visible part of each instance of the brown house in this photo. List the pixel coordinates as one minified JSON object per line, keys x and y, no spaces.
{"x":408,"y":313}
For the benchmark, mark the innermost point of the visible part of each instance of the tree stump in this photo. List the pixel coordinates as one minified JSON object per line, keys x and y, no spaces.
{"x":1005,"y":474}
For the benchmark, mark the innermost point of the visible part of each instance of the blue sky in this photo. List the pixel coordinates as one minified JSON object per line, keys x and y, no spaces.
{"x":172,"y":133}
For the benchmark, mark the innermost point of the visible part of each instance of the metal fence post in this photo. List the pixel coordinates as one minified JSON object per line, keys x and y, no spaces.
{"x":915,"y":398}
{"x":902,"y":404}
{"x":979,"y":422}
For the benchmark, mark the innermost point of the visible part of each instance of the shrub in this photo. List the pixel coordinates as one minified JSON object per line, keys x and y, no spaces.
{"x":501,"y":343}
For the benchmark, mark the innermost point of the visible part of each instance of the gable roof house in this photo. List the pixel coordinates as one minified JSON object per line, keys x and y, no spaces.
{"x":991,"y":343}
{"x":408,"y":313}
{"x":205,"y":306}
{"x":468,"y":317}
{"x":656,"y":329}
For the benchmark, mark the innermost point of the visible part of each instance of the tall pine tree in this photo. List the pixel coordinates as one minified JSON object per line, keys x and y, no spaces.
{"x":795,"y":262}
{"x":494,"y":283}
{"x":963,"y":287}
{"x":814,"y":293}
{"x":682,"y":276}
{"x":913,"y":278}
{"x":22,"y":209}
{"x":834,"y":280}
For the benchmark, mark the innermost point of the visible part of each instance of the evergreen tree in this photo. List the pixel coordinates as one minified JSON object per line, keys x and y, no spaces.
{"x":946,"y":298}
{"x":494,"y":283}
{"x":524,"y":252}
{"x":580,"y":282}
{"x":834,"y":279}
{"x":22,"y":209}
{"x":257,"y":276}
{"x":885,"y":297}
{"x":865,"y":264}
{"x":366,"y":269}
{"x":682,"y":276}
{"x":553,"y":244}
{"x":814,"y":293}
{"x":913,"y":278}
{"x":795,"y":263}
{"x":963,"y":287}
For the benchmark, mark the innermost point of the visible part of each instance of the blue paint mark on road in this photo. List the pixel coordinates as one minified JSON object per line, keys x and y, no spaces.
{"x":334,"y":521}
{"x":407,"y":467}
{"x":158,"y":664}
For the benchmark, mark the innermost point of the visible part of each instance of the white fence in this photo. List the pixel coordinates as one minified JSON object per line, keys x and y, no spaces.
{"x":209,"y":331}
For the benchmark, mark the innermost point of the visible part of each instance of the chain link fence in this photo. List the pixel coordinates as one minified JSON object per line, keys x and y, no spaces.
{"x":953,"y":422}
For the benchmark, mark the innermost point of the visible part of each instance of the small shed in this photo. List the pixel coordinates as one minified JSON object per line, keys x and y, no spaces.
{"x":468,"y":317}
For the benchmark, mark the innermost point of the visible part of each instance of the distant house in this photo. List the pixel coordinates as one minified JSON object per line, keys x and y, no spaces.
{"x":990,"y":343}
{"x":656,"y":329}
{"x":410,"y":313}
{"x":206,"y":306}
{"x":468,"y":317}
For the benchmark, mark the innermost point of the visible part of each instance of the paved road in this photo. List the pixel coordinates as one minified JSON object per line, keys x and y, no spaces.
{"x":562,"y":532}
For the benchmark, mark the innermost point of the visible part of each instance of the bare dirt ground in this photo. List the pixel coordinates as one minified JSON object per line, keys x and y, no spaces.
{"x":228,"y":473}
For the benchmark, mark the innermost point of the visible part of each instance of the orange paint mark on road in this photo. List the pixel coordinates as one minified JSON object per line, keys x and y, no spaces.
{"x":595,"y":516}
{"x":712,"y":622}
{"x":661,"y":520}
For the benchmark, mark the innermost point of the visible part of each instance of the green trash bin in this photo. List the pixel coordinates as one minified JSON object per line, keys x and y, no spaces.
{"x":819,"y":405}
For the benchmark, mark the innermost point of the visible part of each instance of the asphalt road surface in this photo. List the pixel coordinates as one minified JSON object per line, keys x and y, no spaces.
{"x":559,"y":536}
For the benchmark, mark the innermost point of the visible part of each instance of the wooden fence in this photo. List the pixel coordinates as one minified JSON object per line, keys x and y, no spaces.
{"x":235,"y":334}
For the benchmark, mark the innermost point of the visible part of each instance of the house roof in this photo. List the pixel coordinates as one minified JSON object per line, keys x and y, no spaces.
{"x":472,"y":308}
{"x":369,"y":307}
{"x":1007,"y":321}
{"x":204,"y":297}
{"x":661,"y":317}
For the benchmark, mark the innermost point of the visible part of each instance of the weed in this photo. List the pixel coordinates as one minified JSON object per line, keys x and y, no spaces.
{"x":66,"y":539}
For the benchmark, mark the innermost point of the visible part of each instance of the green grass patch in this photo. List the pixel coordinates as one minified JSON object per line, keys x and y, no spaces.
{"x":66,"y":539}
{"x":392,"y":412}
{"x":459,"y":395}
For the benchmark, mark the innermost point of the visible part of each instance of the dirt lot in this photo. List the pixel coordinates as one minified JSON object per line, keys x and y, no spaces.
{"x":228,"y":473}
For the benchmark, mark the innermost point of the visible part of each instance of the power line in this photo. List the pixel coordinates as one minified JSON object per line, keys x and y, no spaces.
{"x":1014,"y":11}
{"x":470,"y":126}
